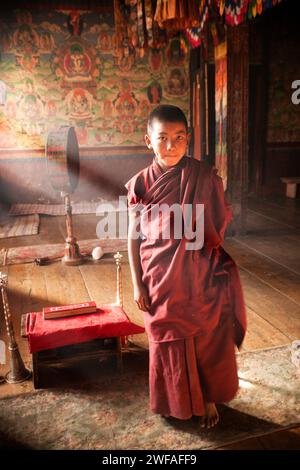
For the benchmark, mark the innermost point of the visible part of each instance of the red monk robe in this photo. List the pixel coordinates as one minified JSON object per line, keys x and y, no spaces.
{"x":197,"y":310}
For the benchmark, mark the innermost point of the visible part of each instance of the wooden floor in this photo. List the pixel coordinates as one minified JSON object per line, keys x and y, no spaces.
{"x":269,"y":262}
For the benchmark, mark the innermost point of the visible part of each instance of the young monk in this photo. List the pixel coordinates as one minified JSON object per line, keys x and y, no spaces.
{"x":192,"y":297}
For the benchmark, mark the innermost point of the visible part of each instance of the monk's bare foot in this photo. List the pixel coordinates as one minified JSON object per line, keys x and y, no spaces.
{"x":211,"y":417}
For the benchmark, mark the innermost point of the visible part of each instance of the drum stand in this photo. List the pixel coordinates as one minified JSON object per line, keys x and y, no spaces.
{"x":72,"y":255}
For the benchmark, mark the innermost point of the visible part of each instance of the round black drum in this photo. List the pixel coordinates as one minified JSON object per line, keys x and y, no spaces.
{"x":62,"y":155}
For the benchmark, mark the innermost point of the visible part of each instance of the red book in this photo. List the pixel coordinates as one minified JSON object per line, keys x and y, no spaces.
{"x":69,"y":310}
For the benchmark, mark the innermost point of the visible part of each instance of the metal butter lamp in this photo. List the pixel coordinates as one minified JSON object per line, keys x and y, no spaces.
{"x":119,"y":295}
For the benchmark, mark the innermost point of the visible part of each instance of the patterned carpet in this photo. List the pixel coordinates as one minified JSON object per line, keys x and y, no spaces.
{"x":20,"y":226}
{"x":113,"y":413}
{"x":84,"y":207}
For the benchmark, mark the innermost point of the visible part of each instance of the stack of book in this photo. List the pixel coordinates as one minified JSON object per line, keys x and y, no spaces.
{"x":69,"y":310}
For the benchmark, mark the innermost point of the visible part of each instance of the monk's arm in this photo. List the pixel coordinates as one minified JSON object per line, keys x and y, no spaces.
{"x":140,"y":292}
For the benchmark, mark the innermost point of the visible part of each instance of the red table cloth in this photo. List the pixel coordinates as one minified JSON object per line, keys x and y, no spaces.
{"x":109,"y":321}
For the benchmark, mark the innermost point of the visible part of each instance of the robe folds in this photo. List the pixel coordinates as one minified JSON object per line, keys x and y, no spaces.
{"x":192,"y":292}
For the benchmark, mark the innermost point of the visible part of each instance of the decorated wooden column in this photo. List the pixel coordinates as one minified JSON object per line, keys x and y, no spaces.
{"x":237,"y":137}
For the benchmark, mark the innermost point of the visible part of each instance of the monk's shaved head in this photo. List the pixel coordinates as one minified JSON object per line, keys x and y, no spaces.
{"x":166,"y":113}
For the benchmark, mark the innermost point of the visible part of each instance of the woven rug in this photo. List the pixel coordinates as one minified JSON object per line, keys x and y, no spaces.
{"x":20,"y":226}
{"x":27,"y":254}
{"x":84,"y":207}
{"x":113,"y":413}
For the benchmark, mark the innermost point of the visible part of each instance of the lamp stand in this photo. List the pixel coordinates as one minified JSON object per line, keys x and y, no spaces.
{"x":72,"y":255}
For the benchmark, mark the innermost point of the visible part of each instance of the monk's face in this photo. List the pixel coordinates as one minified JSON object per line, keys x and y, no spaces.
{"x":169,"y":142}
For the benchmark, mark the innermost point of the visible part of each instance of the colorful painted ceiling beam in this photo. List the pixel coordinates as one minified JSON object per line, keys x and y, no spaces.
{"x":237,"y":11}
{"x":234,"y":12}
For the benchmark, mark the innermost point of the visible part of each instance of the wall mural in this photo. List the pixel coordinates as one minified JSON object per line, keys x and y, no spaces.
{"x":61,"y":68}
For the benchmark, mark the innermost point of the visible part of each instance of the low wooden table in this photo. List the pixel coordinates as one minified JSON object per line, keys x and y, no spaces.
{"x":67,"y":355}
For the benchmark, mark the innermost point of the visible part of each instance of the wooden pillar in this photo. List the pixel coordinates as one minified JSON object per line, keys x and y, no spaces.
{"x":237,"y":112}
{"x":258,"y":104}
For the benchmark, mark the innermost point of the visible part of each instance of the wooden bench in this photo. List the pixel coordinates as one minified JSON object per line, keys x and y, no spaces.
{"x":291,"y":185}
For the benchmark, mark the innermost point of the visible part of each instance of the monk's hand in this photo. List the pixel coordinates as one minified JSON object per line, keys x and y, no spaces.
{"x":141,"y":297}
